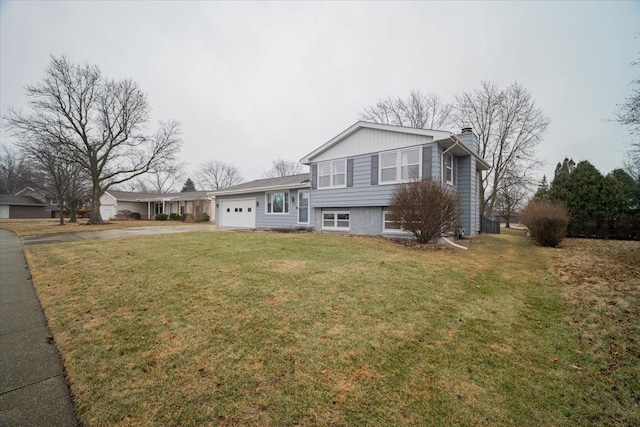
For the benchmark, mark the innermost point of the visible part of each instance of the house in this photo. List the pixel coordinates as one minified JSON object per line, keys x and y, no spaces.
{"x":52,"y":210}
{"x":15,"y":207}
{"x":149,"y":204}
{"x":265,"y":203}
{"x":352,"y":179}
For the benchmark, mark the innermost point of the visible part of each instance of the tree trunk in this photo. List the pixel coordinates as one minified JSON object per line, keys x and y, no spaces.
{"x":96,"y":217}
{"x":73,"y":211}
{"x":61,"y":210}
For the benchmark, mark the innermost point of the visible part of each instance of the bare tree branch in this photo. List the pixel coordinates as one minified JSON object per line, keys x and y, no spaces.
{"x":281,"y":167}
{"x":217,"y":175}
{"x":97,"y":123}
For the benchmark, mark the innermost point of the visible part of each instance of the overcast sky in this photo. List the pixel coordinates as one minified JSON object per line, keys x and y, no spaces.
{"x":252,"y":82}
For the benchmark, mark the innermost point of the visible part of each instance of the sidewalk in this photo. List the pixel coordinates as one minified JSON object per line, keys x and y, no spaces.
{"x":33,"y":390}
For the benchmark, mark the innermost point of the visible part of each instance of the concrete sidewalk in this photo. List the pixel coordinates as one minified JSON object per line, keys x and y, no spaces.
{"x":33,"y":390}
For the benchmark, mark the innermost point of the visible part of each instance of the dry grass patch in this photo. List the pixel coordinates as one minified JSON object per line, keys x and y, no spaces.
{"x":40,"y":226}
{"x":309,"y":329}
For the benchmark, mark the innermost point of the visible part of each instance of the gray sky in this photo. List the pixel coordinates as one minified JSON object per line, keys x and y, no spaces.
{"x":252,"y":82}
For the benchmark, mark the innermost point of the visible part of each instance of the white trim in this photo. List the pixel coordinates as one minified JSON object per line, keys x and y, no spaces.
{"x":331,"y":174}
{"x":335,"y":220}
{"x":285,"y":200}
{"x":398,"y":165}
{"x":445,"y":168}
{"x":391,"y":230}
{"x":250,"y":204}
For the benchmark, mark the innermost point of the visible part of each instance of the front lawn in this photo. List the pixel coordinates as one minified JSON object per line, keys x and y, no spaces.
{"x":314,"y":329}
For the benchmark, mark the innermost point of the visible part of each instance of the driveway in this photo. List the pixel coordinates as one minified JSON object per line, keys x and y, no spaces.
{"x":122,"y":232}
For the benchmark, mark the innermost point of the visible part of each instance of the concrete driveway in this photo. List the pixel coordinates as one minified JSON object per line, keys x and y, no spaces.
{"x":122,"y":232}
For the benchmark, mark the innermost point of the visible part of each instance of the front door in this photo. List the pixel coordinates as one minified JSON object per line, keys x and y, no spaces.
{"x":303,"y":206}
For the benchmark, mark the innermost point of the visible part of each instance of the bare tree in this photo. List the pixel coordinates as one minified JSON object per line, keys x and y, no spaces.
{"x":95,"y":122}
{"x":15,"y":171}
{"x":418,"y":110}
{"x":164,"y":178}
{"x":425,"y":208}
{"x":282,"y":167}
{"x":513,"y":192}
{"x":61,"y":178}
{"x":628,"y":114}
{"x":509,"y":127}
{"x":218,"y":175}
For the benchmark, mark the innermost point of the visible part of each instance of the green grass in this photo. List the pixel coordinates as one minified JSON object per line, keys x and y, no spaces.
{"x":314,"y":329}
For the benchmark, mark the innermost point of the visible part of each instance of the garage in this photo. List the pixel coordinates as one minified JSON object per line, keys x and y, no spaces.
{"x":107,"y":212}
{"x":238,"y":213}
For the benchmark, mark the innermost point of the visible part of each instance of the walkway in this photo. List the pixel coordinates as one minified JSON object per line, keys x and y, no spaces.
{"x":33,"y":390}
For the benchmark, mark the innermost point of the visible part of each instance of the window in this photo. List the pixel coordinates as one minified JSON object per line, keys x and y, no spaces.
{"x":335,"y":220}
{"x":332,"y":174}
{"x":278,"y":203}
{"x":399,"y":166}
{"x":158,"y":208}
{"x":448,"y":168}
{"x":182,"y":208}
{"x":389,"y":223}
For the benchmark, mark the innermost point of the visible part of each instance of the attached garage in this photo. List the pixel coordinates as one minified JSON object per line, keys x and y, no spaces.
{"x":238,"y":213}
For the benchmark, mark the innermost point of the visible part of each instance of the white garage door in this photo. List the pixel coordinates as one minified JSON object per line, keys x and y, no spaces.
{"x":238,"y":213}
{"x":4,"y":211}
{"x":107,"y":212}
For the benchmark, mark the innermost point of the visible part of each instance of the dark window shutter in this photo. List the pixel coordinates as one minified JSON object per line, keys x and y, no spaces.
{"x":349,"y":172}
{"x":313,"y":177}
{"x":427,"y":158}
{"x":374,"y":169}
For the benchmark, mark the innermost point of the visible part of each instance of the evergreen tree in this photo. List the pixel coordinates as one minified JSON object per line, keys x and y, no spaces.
{"x":188,"y":186}
{"x":543,"y":189}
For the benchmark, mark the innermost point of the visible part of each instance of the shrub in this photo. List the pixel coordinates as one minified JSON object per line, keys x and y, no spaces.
{"x":161,"y":217}
{"x":187,"y":217}
{"x":136,"y":215}
{"x":174,"y":217}
{"x":546,"y":220}
{"x":425,"y":208}
{"x":202,"y":217}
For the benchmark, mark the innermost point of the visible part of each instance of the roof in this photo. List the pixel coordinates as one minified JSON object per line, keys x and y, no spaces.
{"x":300,"y":180}
{"x":436,"y":134}
{"x":445,"y":138}
{"x":131,"y":196}
{"x":8,"y":199}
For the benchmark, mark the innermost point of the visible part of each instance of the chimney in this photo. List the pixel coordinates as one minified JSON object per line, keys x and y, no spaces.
{"x":467,"y":136}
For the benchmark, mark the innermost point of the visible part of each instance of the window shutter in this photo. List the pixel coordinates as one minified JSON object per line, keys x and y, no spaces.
{"x":374,"y":169}
{"x":313,"y":177}
{"x":349,"y":172}
{"x":427,"y":158}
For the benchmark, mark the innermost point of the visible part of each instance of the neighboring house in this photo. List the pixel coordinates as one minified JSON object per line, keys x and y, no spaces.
{"x":51,"y":204}
{"x":352,"y":179}
{"x":16,"y":207}
{"x":265,"y":203}
{"x":148,"y":205}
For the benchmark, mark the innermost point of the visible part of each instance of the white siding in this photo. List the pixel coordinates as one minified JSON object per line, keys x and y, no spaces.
{"x":365,"y":141}
{"x":4,"y":211}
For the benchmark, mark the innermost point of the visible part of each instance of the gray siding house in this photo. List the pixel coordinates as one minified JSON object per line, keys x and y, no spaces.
{"x":353,"y":175}
{"x":265,"y":203}
{"x":352,"y":179}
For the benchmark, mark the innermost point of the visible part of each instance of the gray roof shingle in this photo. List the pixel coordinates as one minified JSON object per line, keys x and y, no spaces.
{"x":8,"y":199}
{"x":281,"y":181}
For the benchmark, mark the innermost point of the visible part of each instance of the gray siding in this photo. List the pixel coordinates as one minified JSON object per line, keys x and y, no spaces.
{"x":264,"y":220}
{"x":363,"y":193}
{"x":464,"y":173}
